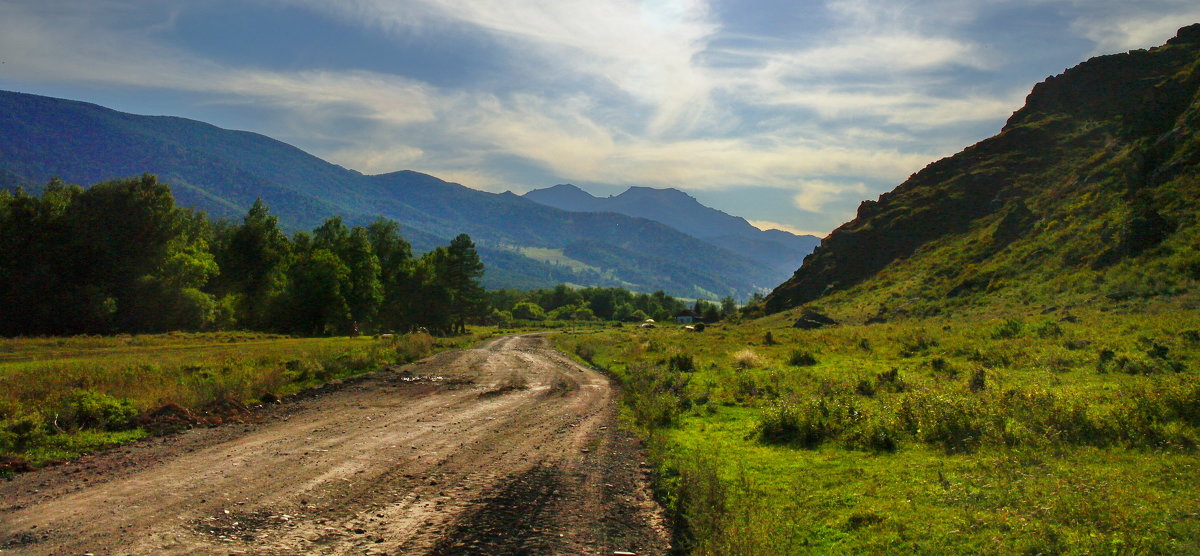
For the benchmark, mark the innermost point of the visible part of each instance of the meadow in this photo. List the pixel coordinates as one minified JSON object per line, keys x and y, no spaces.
{"x":1010,"y":431}
{"x":62,"y":397}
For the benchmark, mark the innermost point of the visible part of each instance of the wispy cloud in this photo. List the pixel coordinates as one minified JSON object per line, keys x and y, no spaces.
{"x":1116,"y":26}
{"x":655,"y":92}
{"x":768,"y":225}
{"x":815,"y":194}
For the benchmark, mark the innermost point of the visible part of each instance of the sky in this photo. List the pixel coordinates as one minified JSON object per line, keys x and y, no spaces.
{"x":786,"y":112}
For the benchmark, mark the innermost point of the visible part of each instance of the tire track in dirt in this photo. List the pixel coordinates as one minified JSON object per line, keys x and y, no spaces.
{"x":508,"y":448}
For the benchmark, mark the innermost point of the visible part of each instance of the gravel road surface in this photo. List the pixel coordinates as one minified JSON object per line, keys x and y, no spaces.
{"x":509,"y":448}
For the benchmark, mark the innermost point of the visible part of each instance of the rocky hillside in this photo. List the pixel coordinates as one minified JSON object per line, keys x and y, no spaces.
{"x":1091,"y":191}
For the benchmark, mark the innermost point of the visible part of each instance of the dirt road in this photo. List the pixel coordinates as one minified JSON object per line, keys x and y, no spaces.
{"x":510,"y":448}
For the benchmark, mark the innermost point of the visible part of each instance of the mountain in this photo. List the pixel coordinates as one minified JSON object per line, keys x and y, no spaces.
{"x":1090,"y":193}
{"x":774,"y":248}
{"x":524,"y":244}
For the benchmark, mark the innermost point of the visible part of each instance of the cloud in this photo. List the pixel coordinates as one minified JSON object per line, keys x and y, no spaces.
{"x":608,"y":92}
{"x":1117,"y":26}
{"x":815,"y":194}
{"x":645,"y":49}
{"x":768,"y":225}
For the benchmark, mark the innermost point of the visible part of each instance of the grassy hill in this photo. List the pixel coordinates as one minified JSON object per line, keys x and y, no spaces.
{"x":1014,"y":365}
{"x":1089,"y":193}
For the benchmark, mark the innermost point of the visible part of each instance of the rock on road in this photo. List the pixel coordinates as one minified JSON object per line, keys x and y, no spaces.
{"x":509,"y":448}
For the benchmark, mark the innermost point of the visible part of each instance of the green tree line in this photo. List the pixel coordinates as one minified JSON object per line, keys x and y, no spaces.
{"x":610,"y":304}
{"x":121,"y":256}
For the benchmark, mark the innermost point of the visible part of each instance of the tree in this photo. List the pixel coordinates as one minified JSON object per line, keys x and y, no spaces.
{"x":527,"y":310}
{"x":435,"y":309}
{"x":365,"y":292}
{"x":253,"y":265}
{"x":395,"y":275}
{"x":459,"y":273}
{"x":728,"y":306}
{"x":331,"y":235}
{"x":316,"y":293}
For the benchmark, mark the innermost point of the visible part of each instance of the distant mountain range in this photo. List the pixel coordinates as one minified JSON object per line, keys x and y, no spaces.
{"x":777,"y":249}
{"x":1089,"y":194}
{"x":523,"y":243}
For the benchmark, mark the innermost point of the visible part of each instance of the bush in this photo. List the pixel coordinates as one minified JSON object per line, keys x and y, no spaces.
{"x":527,"y":310}
{"x":96,"y":410}
{"x":890,"y":381}
{"x":20,"y":433}
{"x":791,"y":424}
{"x":746,"y":359}
{"x":1048,"y":329}
{"x":978,"y":381}
{"x":954,"y":422}
{"x":586,"y":352}
{"x":801,"y":358}
{"x":873,"y":435}
{"x":656,"y":397}
{"x":916,"y":344}
{"x":412,"y":346}
{"x":807,"y":424}
{"x":682,"y":363}
{"x":1010,"y":328}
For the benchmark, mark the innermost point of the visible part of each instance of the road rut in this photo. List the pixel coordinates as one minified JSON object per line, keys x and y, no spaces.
{"x":509,"y":448}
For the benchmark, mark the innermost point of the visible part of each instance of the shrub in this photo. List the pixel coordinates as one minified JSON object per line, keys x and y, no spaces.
{"x":978,"y":381}
{"x":681,"y":362}
{"x":954,"y":422}
{"x":1104,"y":360}
{"x":527,"y":310}
{"x":1048,"y":329}
{"x":97,"y":410}
{"x":412,"y":346}
{"x":20,"y":433}
{"x":872,"y":434}
{"x":916,"y":344}
{"x":586,"y":352}
{"x":768,"y":339}
{"x":806,"y":424}
{"x":655,"y":396}
{"x":746,"y":359}
{"x":801,"y":358}
{"x":941,"y":366}
{"x":1037,"y":417}
{"x":890,"y":381}
{"x":1010,"y":328}
{"x":791,"y":424}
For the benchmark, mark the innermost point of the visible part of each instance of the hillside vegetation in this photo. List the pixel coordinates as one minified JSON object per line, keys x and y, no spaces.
{"x":1090,"y":192}
{"x":997,"y":357}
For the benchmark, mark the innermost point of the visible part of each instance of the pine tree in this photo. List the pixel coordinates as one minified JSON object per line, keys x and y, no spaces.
{"x":460,"y":273}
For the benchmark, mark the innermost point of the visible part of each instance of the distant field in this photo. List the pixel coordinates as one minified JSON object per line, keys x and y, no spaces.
{"x":1011,"y":432}
{"x":60,"y":397}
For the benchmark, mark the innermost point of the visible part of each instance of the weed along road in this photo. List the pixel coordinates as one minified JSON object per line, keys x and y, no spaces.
{"x":507,"y":448}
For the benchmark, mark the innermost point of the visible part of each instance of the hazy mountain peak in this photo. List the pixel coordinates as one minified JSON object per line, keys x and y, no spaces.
{"x":685,"y":213}
{"x":524,"y":244}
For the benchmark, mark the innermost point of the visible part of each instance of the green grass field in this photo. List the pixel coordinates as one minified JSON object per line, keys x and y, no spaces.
{"x":997,"y":431}
{"x":61,"y":397}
